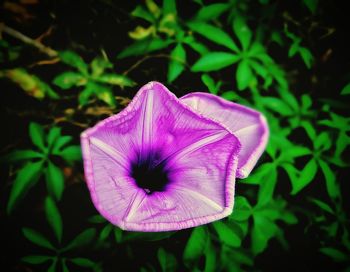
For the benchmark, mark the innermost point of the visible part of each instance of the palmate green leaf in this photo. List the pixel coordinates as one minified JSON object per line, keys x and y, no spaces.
{"x":244,"y":75}
{"x":177,"y":62}
{"x":144,"y":46}
{"x":209,"y":82}
{"x":345,"y":90}
{"x":214,"y":34}
{"x":54,"y":180}
{"x":81,"y":240}
{"x":227,"y":235}
{"x":335,"y":254}
{"x":306,"y":176}
{"x":242,"y":31}
{"x":61,"y":142}
{"x":37,"y":238}
{"x":341,"y":143}
{"x":214,"y":61}
{"x":116,"y":79}
{"x":331,"y":184}
{"x":36,"y":133}
{"x":241,"y":209}
{"x":83,"y":262}
{"x":99,"y":65}
{"x":211,"y":12}
{"x":36,"y":259}
{"x":259,"y":174}
{"x":210,"y":257}
{"x":167,"y":261}
{"x":21,"y":155}
{"x":195,"y":45}
{"x":267,"y":186}
{"x":27,"y":177}
{"x":142,"y":13}
{"x":53,"y":216}
{"x":71,"y":153}
{"x":69,"y":79}
{"x":72,"y":59}
{"x":53,"y":135}
{"x":322,"y":141}
{"x":288,"y":98}
{"x":195,"y":245}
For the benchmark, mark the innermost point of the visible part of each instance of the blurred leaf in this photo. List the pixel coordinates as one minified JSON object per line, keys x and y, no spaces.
{"x":97,"y":219}
{"x":144,"y":46}
{"x":335,"y":254}
{"x":36,"y":134}
{"x":52,"y":267}
{"x":242,"y":31}
{"x":167,"y":261}
{"x":195,"y":245}
{"x":345,"y":90}
{"x":277,"y":105}
{"x":25,"y":179}
{"x":61,"y":142}
{"x":209,"y":82}
{"x":72,"y":59}
{"x":81,"y":240}
{"x":306,"y":56}
{"x":211,"y":12}
{"x":177,"y":62}
{"x":214,"y":61}
{"x":146,"y":236}
{"x":214,"y":34}
{"x":306,"y":176}
{"x":288,"y":98}
{"x":19,"y":155}
{"x":53,"y":135}
{"x":99,"y":65}
{"x":36,"y":259}
{"x":69,"y":79}
{"x":115,"y":79}
{"x":53,"y":216}
{"x":83,"y":262}
{"x":331,"y":185}
{"x":227,"y":235}
{"x":241,"y":209}
{"x":142,"y":13}
{"x":210,"y":257}
{"x":322,"y":205}
{"x":322,"y":141}
{"x":244,"y":75}
{"x":169,"y":6}
{"x":71,"y":153}
{"x":54,"y":180}
{"x":37,"y":238}
{"x":105,"y":232}
{"x":311,"y":5}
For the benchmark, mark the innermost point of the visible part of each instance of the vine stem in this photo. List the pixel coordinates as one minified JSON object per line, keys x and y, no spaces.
{"x":23,"y":38}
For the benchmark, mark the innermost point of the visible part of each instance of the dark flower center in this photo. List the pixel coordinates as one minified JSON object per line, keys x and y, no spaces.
{"x":149,"y":174}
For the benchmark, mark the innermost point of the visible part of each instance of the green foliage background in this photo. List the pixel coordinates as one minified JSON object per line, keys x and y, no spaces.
{"x":67,"y":65}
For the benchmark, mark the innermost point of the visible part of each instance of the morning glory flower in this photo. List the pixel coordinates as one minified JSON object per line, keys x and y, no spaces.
{"x":165,"y":163}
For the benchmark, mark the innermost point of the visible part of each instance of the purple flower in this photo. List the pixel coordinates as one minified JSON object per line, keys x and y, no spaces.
{"x":165,"y":163}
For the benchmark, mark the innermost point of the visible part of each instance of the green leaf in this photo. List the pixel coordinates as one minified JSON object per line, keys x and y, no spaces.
{"x":258,"y":175}
{"x":214,"y":34}
{"x":36,"y":259}
{"x":209,"y":82}
{"x":25,"y":179}
{"x":53,"y":135}
{"x":144,"y":46}
{"x":142,"y":13}
{"x":288,"y":98}
{"x":67,"y":80}
{"x":242,"y":31}
{"x":322,"y":141}
{"x":169,"y":7}
{"x":307,"y":57}
{"x":345,"y":90}
{"x":84,"y":262}
{"x":227,"y":235}
{"x":267,"y":186}
{"x":177,"y":62}
{"x":81,"y":240}
{"x":331,"y":184}
{"x":71,"y":153}
{"x":241,"y":209}
{"x":53,"y":216}
{"x":195,"y":245}
{"x":211,"y":12}
{"x":36,"y":134}
{"x":37,"y":238}
{"x":214,"y":61}
{"x":277,"y":105}
{"x":324,"y":206}
{"x":306,"y":176}
{"x":115,"y":79}
{"x":244,"y":75}
{"x":105,"y":232}
{"x":311,"y":5}
{"x":54,"y":180}
{"x":335,"y":254}
{"x":146,"y":236}
{"x":20,"y":155}
{"x":167,"y":261}
{"x":210,"y":257}
{"x":263,"y":230}
{"x":61,"y":141}
{"x":97,"y":219}
{"x":52,"y":267}
{"x":72,"y":59}
{"x":99,"y":65}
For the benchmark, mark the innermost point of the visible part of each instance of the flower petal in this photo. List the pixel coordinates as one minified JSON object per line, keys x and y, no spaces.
{"x":248,"y":125}
{"x":199,"y":154}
